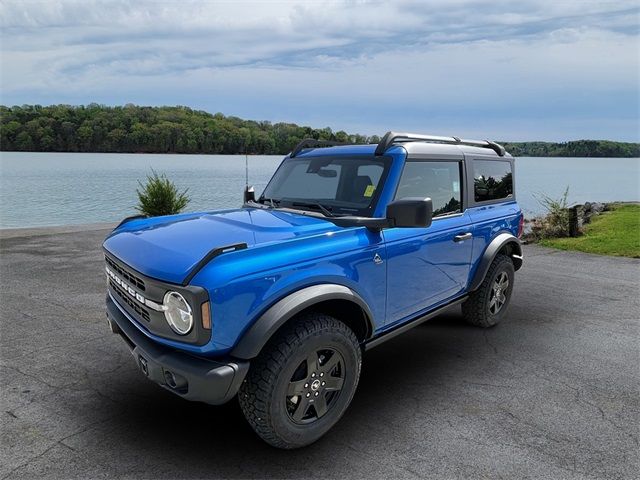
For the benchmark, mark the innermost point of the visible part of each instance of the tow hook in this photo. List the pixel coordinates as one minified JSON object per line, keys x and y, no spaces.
{"x":113,"y":326}
{"x":143,"y":365}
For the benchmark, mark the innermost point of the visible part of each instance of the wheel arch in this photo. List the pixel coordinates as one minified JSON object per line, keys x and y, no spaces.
{"x":502,"y":243}
{"x":336,"y":300}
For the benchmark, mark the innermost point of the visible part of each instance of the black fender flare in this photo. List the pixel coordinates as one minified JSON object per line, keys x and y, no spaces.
{"x":254,"y":339}
{"x":490,"y":253}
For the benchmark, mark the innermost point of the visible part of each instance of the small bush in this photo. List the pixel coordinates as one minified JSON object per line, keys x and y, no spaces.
{"x":159,"y":196}
{"x":556,"y":222}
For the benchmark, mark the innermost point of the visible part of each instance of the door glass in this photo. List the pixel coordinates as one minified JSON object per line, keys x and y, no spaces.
{"x":439,"y":181}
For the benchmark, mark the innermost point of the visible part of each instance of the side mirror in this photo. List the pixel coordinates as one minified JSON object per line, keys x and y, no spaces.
{"x":249,"y":194}
{"x":410,"y":212}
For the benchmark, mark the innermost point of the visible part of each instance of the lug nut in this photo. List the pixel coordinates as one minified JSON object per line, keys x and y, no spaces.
{"x":324,"y":383}
{"x":306,"y":385}
{"x":308,"y":395}
{"x":316,"y":394}
{"x":313,"y":375}
{"x":322,"y":374}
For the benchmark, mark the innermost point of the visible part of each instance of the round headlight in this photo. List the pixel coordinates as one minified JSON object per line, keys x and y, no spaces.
{"x":178,"y":313}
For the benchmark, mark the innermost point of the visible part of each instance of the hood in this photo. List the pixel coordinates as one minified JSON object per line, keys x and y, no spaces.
{"x":168,"y":248}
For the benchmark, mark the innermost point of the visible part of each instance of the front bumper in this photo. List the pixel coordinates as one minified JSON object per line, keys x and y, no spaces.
{"x":191,"y":377}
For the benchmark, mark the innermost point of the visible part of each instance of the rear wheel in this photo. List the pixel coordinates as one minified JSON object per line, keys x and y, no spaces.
{"x":302,"y":382}
{"x":487,"y":305}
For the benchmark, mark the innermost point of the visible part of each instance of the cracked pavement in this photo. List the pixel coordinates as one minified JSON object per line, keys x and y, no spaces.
{"x":553,"y":392}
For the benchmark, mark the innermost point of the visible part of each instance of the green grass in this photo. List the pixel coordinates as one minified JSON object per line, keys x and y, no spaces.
{"x":616,"y":232}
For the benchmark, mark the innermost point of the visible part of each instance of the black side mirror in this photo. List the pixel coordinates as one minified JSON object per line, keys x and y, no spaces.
{"x":410,"y":212}
{"x":249,"y":194}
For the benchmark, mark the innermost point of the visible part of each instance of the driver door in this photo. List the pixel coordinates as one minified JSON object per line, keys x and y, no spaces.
{"x":426,"y":266}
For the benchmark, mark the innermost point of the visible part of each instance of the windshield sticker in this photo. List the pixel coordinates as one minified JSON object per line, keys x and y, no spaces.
{"x":369,"y":191}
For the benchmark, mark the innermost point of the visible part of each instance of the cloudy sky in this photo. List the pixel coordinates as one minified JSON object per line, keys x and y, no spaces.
{"x":510,"y":70}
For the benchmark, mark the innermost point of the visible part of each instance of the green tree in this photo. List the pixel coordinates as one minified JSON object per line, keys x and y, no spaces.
{"x":84,"y":138}
{"x":159,"y":196}
{"x":24,"y":142}
{"x":131,"y":128}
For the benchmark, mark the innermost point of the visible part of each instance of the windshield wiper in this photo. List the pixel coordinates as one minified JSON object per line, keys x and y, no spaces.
{"x":272,"y":203}
{"x":325,"y":211}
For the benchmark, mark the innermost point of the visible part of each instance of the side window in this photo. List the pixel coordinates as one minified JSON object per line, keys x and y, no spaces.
{"x":492,"y":180}
{"x":439,"y":181}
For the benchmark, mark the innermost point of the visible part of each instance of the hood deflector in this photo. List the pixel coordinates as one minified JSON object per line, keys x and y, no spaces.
{"x":210,"y":256}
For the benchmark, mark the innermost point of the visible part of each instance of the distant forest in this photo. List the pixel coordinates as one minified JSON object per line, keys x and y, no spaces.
{"x":135,"y":129}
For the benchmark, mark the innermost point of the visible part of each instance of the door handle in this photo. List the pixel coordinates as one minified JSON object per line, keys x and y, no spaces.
{"x":462,"y":237}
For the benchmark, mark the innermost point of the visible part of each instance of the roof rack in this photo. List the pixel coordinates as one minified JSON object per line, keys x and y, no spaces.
{"x":312,"y":142}
{"x":391,"y":137}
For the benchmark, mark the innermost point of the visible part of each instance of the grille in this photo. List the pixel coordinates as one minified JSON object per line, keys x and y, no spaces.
{"x":124,"y":275}
{"x":126,"y":298}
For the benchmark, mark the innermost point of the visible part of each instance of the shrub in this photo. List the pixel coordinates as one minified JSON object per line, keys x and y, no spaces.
{"x":159,"y":196}
{"x":556,"y":222}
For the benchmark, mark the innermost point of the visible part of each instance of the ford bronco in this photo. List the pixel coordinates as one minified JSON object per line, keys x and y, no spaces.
{"x":347,"y":247}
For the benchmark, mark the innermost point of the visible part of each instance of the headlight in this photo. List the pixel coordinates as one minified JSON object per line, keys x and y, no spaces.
{"x":178,"y":313}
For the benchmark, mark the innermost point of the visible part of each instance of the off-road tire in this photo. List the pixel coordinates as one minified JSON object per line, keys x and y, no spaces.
{"x":263,"y":395}
{"x":476,"y":309}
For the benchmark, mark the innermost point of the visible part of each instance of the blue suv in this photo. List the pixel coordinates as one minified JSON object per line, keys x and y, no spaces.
{"x":347,"y":247}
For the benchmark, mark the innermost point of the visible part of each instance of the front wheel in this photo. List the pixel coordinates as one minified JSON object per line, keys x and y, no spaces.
{"x":302,"y":382}
{"x":487,"y":305}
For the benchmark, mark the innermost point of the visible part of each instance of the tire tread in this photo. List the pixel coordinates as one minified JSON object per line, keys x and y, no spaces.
{"x":257,"y":389}
{"x":475,"y":309}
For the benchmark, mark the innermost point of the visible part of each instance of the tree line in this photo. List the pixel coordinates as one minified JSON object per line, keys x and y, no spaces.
{"x":137,"y":129}
{"x":577,"y":148}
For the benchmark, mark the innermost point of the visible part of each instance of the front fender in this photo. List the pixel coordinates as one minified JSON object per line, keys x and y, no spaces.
{"x":268,"y":323}
{"x":500,"y":241}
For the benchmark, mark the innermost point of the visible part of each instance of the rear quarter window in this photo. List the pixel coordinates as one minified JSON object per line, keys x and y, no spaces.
{"x":492,"y":180}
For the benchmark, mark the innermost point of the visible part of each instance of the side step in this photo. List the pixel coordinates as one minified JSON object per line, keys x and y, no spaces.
{"x":374,"y":342}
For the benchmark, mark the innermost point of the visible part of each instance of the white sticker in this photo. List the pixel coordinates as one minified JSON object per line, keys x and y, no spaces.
{"x":456,"y":186}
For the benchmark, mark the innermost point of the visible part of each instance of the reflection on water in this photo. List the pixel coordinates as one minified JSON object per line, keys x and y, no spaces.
{"x":38,"y":189}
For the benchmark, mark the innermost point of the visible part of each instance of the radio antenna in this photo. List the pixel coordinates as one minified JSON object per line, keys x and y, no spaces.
{"x":249,"y":192}
{"x":246,"y":169}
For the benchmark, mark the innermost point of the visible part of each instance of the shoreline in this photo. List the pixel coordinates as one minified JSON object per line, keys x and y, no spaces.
{"x":20,"y":232}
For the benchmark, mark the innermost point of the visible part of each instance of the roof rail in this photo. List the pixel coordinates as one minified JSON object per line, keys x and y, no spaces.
{"x":391,"y":137}
{"x":312,"y":142}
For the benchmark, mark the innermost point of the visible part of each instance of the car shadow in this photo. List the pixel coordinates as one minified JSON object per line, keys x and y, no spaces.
{"x":192,"y":439}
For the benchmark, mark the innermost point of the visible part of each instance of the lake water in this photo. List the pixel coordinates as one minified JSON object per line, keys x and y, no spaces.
{"x":42,"y":189}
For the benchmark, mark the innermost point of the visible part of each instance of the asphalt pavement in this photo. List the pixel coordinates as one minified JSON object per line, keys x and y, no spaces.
{"x":553,"y":392}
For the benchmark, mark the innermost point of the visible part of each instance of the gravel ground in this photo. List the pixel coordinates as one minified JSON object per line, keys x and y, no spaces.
{"x":553,"y":392}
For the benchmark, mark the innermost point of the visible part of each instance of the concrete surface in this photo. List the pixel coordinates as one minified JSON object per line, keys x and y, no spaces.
{"x":38,"y":231}
{"x":554,"y":392}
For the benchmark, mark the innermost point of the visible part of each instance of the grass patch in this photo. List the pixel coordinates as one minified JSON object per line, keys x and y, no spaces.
{"x":616,"y":232}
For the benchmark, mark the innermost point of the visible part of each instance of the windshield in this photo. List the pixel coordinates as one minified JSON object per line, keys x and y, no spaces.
{"x":331,"y":185}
